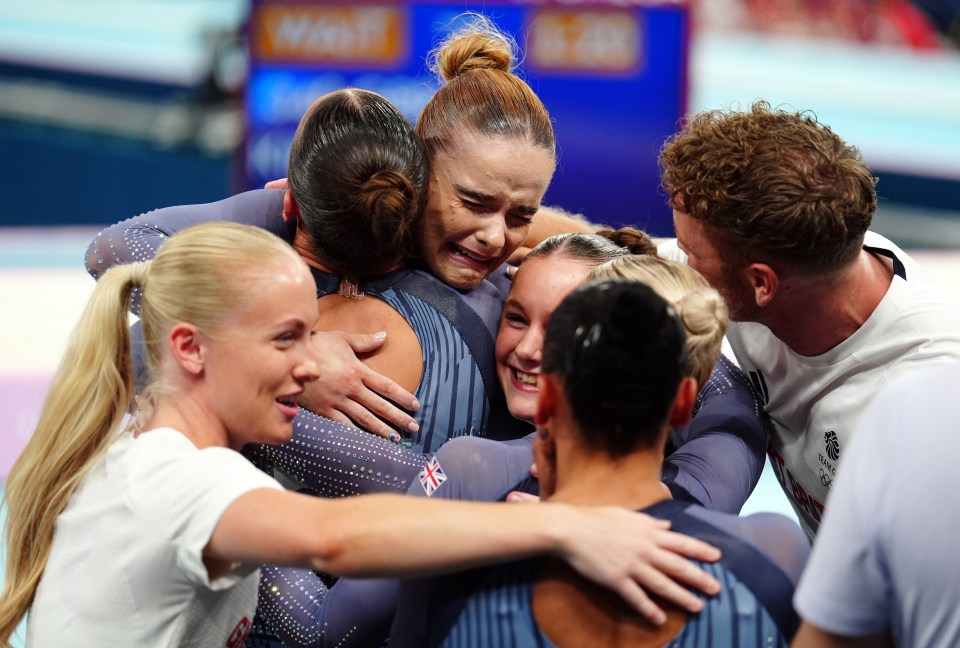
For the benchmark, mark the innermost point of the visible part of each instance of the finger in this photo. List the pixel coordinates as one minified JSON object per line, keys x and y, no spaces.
{"x":362,"y":418}
{"x":657,"y":522}
{"x":634,"y":595}
{"x":656,"y":582}
{"x":280,"y":183}
{"x":678,"y":569}
{"x":336,"y":415}
{"x":522,"y":498}
{"x":384,"y":392}
{"x":518,"y":256}
{"x":534,"y":472}
{"x":679,"y":543}
{"x":365,"y":342}
{"x":379,"y":409}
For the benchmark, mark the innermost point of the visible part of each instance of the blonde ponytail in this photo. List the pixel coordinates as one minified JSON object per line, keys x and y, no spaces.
{"x":84,"y":406}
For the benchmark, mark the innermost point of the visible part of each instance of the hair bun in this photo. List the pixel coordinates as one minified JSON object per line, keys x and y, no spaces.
{"x":704,"y":313}
{"x":477,"y":46}
{"x":390,"y":197}
{"x":633,"y":240}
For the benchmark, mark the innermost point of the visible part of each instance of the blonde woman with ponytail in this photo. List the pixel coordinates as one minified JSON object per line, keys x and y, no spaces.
{"x":150,"y":535}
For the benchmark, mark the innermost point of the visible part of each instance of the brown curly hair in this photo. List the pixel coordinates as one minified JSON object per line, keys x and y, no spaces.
{"x":776,"y":186}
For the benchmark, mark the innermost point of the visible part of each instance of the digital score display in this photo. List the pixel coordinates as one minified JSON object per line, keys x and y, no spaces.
{"x":612,"y":74}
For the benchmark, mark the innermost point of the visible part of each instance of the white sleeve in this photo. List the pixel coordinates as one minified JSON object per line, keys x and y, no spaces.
{"x":180,"y":493}
{"x":845,"y":587}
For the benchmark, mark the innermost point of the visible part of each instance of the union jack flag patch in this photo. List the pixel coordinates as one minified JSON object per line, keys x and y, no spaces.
{"x":432,"y":476}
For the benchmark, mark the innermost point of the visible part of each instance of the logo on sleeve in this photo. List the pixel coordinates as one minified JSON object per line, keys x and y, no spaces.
{"x":833,"y":445}
{"x":432,"y":476}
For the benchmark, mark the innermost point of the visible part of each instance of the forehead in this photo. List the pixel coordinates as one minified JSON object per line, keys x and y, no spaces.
{"x":280,"y":291}
{"x":507,"y":163}
{"x":542,"y":283}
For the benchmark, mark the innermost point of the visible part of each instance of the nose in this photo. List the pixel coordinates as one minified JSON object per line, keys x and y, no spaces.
{"x":530,"y":347}
{"x":492,"y":234}
{"x":308,"y":368}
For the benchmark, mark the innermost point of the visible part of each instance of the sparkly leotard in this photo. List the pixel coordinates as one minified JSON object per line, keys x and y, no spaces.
{"x":459,"y":393}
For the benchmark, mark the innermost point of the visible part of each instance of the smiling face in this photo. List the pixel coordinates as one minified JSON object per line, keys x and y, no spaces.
{"x":538,"y":288}
{"x":483,"y":195}
{"x":257,"y":368}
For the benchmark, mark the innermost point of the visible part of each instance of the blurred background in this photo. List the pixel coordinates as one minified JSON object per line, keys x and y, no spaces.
{"x":109,"y":108}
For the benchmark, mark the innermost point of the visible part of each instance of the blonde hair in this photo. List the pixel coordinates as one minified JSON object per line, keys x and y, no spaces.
{"x":481,"y":93}
{"x":202,"y":275}
{"x":701,"y":309}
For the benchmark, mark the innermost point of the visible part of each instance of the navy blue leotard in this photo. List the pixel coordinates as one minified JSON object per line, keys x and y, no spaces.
{"x":493,"y":607}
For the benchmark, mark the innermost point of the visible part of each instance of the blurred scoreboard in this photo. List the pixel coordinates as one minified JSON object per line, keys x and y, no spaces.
{"x":612,"y":74}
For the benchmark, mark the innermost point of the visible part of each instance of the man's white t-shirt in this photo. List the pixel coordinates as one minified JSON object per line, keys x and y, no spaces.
{"x":815,"y":402}
{"x":126,"y":566}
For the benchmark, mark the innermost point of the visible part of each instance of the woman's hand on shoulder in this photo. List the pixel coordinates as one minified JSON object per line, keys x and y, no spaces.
{"x":351,"y":393}
{"x":637,"y":556}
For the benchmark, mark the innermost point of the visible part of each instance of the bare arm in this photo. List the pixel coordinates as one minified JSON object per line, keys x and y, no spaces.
{"x":810,"y":636}
{"x":369,"y":536}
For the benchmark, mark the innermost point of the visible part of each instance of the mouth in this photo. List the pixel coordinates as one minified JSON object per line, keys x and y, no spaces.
{"x":526,"y":381}
{"x":471,"y":258}
{"x":288,"y":406}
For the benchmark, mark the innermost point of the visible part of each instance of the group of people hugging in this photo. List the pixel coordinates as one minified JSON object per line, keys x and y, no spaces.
{"x":553,"y":424}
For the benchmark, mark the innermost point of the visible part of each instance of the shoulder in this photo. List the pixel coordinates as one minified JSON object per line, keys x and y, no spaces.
{"x":777,"y":537}
{"x":463,"y":308}
{"x":165,"y":469}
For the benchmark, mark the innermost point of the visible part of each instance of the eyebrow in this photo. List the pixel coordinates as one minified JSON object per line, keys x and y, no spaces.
{"x":480,"y":197}
{"x":513,"y":303}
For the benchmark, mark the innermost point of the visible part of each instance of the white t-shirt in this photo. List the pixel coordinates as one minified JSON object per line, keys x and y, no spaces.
{"x":885,"y":553}
{"x":815,"y":402}
{"x":126,"y":564}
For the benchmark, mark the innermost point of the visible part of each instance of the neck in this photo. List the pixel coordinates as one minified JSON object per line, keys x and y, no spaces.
{"x":592,"y":478}
{"x":815,"y":315}
{"x":312,"y":257}
{"x":189,"y":416}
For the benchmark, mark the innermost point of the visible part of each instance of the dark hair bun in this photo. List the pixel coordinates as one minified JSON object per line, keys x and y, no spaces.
{"x":391,"y":199}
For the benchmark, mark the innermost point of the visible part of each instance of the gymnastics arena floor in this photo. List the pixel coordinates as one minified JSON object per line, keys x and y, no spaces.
{"x":43,"y":288}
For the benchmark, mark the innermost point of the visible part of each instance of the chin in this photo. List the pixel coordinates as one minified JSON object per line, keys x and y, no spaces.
{"x":461,"y":280}
{"x":522,"y":410}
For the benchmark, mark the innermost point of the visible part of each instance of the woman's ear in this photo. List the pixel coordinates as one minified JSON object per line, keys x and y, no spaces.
{"x":682,"y":409}
{"x":546,"y":400}
{"x":544,"y":442}
{"x":186,"y":347}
